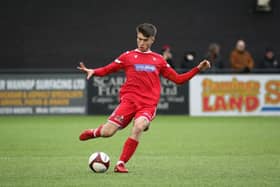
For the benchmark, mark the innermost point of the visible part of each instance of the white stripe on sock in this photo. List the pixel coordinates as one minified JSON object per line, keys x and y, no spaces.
{"x":120,"y":162}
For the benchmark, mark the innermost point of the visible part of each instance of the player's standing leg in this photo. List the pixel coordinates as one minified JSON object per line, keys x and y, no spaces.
{"x":140,"y":124}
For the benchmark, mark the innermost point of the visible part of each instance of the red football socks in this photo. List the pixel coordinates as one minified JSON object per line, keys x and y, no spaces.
{"x":97,"y":131}
{"x":128,"y":149}
{"x":91,"y":133}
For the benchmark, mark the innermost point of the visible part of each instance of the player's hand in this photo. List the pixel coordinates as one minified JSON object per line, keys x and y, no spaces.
{"x":203,"y":65}
{"x":89,"y":72}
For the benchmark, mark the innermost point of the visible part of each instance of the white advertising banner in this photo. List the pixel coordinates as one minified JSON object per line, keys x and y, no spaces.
{"x":228,"y":95}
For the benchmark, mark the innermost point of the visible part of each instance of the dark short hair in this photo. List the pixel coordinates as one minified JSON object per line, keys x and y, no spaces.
{"x":147,"y":29}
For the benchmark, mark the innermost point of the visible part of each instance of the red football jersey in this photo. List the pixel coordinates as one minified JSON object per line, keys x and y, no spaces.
{"x":143,"y":70}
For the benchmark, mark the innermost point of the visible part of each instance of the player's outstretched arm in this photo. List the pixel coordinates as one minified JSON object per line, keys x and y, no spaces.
{"x":172,"y":75}
{"x":110,"y":68}
{"x":89,"y":72}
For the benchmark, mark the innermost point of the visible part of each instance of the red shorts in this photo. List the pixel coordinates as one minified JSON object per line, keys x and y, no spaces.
{"x":127,"y":110}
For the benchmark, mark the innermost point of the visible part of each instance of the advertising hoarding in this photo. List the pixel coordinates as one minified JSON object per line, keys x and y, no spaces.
{"x":103,"y":95}
{"x":42,"y":94}
{"x":235,"y":95}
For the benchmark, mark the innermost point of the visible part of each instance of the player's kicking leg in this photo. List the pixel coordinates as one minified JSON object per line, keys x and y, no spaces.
{"x":106,"y":130}
{"x":140,"y":124}
{"x":120,"y":118}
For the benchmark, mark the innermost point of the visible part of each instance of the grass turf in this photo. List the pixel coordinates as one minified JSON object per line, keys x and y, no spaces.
{"x":176,"y":151}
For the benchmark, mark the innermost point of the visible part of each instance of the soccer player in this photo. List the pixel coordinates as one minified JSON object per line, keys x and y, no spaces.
{"x":140,"y":93}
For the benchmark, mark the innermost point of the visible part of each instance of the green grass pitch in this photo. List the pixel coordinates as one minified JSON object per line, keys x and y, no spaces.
{"x":176,"y":151}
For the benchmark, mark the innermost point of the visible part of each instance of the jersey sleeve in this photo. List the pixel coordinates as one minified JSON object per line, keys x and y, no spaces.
{"x":172,"y":75}
{"x":114,"y":66}
{"x":122,"y":58}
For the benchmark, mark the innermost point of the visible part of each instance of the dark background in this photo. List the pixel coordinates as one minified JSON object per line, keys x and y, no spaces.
{"x":58,"y":34}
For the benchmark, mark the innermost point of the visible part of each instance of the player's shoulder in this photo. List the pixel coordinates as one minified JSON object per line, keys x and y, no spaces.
{"x":159,"y":59}
{"x":157,"y":55}
{"x":134,"y":52}
{"x":154,"y":54}
{"x":127,"y":53}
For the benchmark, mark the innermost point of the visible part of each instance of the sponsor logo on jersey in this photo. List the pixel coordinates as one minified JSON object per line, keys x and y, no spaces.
{"x":145,"y":67}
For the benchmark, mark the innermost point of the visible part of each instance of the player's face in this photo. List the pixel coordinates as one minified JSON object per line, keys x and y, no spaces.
{"x":144,"y":43}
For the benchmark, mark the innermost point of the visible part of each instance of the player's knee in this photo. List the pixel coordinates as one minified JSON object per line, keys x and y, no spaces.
{"x":140,"y":127}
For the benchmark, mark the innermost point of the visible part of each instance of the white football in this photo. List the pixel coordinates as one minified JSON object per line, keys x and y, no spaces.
{"x":99,"y":162}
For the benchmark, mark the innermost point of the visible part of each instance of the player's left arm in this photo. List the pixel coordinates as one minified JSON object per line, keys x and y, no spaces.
{"x":172,"y":75}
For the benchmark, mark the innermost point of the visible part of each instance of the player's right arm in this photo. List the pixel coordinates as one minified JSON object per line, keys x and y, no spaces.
{"x":105,"y":70}
{"x":89,"y":72}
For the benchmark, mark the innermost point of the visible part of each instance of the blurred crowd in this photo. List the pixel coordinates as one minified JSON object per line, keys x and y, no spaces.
{"x":240,"y":60}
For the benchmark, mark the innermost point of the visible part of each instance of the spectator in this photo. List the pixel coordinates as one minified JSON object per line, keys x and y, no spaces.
{"x":269,"y":61}
{"x":240,"y":59}
{"x":188,"y":60}
{"x":167,"y":55}
{"x":213,"y":55}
